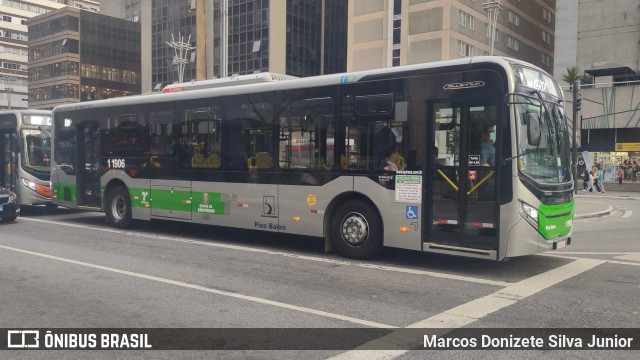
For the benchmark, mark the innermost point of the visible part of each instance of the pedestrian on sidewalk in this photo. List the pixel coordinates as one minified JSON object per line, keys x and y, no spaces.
{"x":620,"y":176}
{"x":591,"y":183}
{"x":601,"y":180}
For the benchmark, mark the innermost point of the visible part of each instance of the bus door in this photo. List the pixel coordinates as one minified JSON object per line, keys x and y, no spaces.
{"x":89,"y":164}
{"x":8,"y":159}
{"x":463,"y":188}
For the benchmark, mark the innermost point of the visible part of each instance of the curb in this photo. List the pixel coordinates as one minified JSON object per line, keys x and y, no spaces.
{"x":619,"y":197}
{"x":610,"y":210}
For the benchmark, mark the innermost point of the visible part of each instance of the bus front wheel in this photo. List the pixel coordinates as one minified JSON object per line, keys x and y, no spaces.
{"x":118,"y":207}
{"x":356,"y":230}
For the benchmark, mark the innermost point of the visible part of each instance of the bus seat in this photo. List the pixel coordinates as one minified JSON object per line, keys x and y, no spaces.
{"x":344,"y":162}
{"x":198,"y":161}
{"x":263,"y":160}
{"x":213,"y":161}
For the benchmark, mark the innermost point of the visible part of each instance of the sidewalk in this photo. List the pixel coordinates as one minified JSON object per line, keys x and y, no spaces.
{"x":590,"y":205}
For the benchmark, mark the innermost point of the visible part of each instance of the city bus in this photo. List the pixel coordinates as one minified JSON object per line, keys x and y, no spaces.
{"x":25,"y":161}
{"x":480,"y":146}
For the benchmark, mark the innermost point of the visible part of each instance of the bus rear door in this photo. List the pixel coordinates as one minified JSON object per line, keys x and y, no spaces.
{"x":89,"y":165}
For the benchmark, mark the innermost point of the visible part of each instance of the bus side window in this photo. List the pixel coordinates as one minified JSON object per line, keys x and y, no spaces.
{"x":204,"y":143}
{"x":306,"y":134}
{"x":374,"y":125}
{"x":128,"y":137}
{"x":163,"y":133}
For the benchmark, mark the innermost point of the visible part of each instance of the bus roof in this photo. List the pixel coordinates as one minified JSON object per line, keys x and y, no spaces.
{"x":293,"y":83}
{"x":230,"y":81}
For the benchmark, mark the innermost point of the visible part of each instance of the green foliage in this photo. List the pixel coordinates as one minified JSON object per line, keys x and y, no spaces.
{"x":573,"y":73}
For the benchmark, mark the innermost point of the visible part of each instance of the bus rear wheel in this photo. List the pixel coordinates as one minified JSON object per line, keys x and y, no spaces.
{"x":356,"y":230}
{"x":118,"y":207}
{"x":10,"y":218}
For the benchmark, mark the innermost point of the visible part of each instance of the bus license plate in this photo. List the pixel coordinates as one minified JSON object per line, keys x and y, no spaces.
{"x":1,"y":207}
{"x":560,"y":244}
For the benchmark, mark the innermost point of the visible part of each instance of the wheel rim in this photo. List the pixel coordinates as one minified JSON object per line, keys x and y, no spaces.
{"x":118,"y":207}
{"x":355,"y":229}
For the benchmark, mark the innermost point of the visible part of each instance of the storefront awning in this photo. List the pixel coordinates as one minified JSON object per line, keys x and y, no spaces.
{"x":610,"y":69}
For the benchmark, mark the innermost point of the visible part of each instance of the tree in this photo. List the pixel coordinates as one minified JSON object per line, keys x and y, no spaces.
{"x":573,"y":73}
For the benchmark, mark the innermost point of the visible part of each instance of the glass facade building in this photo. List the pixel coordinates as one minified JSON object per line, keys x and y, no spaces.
{"x":313,"y":40}
{"x":170,"y":20}
{"x":77,"y":55}
{"x":296,"y":37}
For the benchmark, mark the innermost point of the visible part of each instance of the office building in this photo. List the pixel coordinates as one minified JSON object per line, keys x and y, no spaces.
{"x":295,"y":37}
{"x":13,"y":48}
{"x":77,"y":55}
{"x":385,"y":33}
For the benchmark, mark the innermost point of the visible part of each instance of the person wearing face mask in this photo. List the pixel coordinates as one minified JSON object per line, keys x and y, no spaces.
{"x":487,"y":149}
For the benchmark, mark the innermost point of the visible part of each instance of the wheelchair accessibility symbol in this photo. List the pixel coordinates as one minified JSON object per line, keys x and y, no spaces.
{"x":412,"y":212}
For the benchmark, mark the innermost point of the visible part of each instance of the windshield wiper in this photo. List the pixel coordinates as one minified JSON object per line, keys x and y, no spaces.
{"x":44,"y":131}
{"x":504,"y":162}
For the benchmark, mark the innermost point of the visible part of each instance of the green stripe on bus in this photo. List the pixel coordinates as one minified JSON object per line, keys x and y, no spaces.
{"x":65,"y":191}
{"x":178,"y":200}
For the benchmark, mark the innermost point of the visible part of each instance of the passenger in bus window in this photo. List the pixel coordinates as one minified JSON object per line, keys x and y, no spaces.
{"x":393,"y":161}
{"x":157,"y":146}
{"x":487,"y":149}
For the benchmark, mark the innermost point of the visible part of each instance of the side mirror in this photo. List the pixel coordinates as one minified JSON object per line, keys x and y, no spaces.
{"x":533,"y":129}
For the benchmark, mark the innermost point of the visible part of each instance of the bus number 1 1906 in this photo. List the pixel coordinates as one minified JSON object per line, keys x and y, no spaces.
{"x":115,"y":163}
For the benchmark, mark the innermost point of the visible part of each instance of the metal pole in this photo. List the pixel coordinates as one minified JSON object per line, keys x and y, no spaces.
{"x":181,"y":50}
{"x":575,"y":86}
{"x":224,"y":38}
{"x":201,"y":41}
{"x":8,"y":86}
{"x":322,"y":14}
{"x":492,"y":7}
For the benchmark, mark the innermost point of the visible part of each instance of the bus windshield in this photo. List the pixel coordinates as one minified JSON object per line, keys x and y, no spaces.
{"x":37,"y":148}
{"x":548,"y":162}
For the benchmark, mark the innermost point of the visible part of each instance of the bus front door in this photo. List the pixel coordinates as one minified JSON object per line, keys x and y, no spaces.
{"x":8,"y":159}
{"x":89,"y":165}
{"x":462,"y":212}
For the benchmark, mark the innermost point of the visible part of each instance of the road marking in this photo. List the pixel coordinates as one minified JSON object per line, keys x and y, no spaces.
{"x":290,"y":255}
{"x":630,"y":256}
{"x":577,"y":258}
{"x":206,"y":289}
{"x":627,"y":213}
{"x":474,"y":310}
{"x":587,"y":253}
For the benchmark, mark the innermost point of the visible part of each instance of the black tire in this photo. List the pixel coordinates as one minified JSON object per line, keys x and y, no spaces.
{"x":118,"y":207}
{"x":355,"y":229}
{"x":50,"y":206}
{"x":10,"y":218}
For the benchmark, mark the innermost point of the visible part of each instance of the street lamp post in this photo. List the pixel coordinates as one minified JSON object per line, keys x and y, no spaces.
{"x":8,"y":86}
{"x":181,"y":50}
{"x":492,"y":7}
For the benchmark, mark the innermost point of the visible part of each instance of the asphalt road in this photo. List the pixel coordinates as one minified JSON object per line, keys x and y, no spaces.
{"x":66,"y":269}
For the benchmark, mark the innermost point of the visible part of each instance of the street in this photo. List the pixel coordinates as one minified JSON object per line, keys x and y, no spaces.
{"x":67,"y":269}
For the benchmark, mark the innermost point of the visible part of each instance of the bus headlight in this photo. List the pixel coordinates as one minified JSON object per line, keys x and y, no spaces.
{"x":529,"y":213}
{"x":30,"y":184}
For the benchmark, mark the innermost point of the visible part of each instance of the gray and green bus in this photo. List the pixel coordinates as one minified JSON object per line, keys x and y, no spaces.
{"x":25,"y":155}
{"x":479,"y":145}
